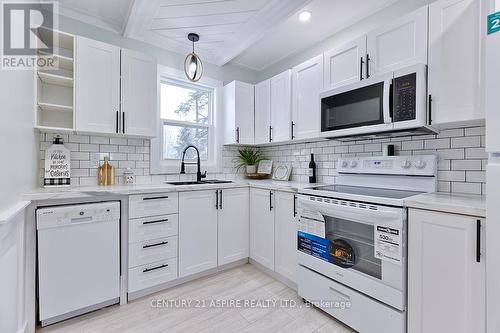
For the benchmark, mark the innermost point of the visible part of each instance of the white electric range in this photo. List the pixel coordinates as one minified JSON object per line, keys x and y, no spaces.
{"x":352,"y":249}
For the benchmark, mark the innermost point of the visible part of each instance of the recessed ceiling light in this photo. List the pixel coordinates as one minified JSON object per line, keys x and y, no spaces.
{"x":305,"y":16}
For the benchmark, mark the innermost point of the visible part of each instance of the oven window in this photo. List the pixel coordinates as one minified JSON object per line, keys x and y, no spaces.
{"x":359,"y":107}
{"x":360,"y":237}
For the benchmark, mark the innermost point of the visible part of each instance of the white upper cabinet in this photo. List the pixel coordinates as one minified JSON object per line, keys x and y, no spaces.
{"x":446,"y":273}
{"x":97,"y":86}
{"x":197,"y":232}
{"x":345,"y":64}
{"x":455,"y":48}
{"x":285,"y":247}
{"x":262,"y":227}
{"x":281,"y":107}
{"x":139,"y":93}
{"x":239,"y":112}
{"x":399,"y":44}
{"x":307,"y":84}
{"x":233,"y":225}
{"x":262,"y":111}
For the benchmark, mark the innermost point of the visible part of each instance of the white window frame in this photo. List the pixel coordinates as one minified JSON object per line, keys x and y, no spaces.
{"x":215,"y":130}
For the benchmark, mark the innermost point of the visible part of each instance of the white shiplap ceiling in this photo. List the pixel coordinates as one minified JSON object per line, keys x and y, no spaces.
{"x":252,"y":33}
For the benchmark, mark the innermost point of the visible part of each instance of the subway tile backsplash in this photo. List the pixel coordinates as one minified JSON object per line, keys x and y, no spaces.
{"x":461,"y":167}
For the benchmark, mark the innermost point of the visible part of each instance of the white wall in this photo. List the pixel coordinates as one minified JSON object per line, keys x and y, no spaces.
{"x":226,"y":73}
{"x":357,"y":29}
{"x":18,"y":140}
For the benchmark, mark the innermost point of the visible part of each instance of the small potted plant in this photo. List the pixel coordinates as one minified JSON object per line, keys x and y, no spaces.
{"x":248,"y":159}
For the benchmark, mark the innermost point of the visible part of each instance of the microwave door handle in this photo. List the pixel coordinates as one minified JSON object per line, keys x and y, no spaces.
{"x":386,"y":101}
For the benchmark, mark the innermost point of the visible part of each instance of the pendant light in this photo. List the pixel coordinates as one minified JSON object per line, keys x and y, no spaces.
{"x":193,"y":68}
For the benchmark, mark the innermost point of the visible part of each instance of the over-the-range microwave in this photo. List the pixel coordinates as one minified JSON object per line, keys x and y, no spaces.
{"x":394,"y":102}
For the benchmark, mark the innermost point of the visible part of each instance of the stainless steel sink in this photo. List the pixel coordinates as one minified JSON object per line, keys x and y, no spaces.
{"x":185,"y":183}
{"x":208,"y":181}
{"x":216,"y":181}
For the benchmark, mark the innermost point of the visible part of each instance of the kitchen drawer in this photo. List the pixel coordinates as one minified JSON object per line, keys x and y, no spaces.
{"x":149,"y":228}
{"x":153,"y":204}
{"x":358,"y":311}
{"x":151,"y":275}
{"x":150,"y":251}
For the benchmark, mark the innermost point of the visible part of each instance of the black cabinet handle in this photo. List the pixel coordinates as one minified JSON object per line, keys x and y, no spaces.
{"x":271,"y":200}
{"x":367,"y":65}
{"x":216,"y":199}
{"x":156,"y":198}
{"x":293,"y":127}
{"x":361,"y":62}
{"x":123,"y":122}
{"x":270,"y":134}
{"x":117,"y":120}
{"x":155,"y":221}
{"x":237,"y":135}
{"x":154,"y":268}
{"x":294,"y":205}
{"x":430,"y":109}
{"x":220,"y":201}
{"x":478,"y":241}
{"x":147,"y":246}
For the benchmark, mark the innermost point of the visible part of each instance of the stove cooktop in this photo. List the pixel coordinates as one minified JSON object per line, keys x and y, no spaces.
{"x":367,"y":191}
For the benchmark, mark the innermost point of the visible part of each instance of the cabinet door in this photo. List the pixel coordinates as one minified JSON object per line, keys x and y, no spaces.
{"x":285,"y":245}
{"x":244,"y":112}
{"x":197,"y":232}
{"x":281,"y":114}
{"x":454,"y":61}
{"x":262,"y":111}
{"x":446,"y":285}
{"x":97,"y":86}
{"x":139,"y":94}
{"x":262,"y":227}
{"x":401,"y":43}
{"x":307,"y":83}
{"x":345,"y":65}
{"x":233,"y":225}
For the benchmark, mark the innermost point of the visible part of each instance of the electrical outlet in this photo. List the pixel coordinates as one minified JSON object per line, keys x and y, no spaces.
{"x":94,"y":160}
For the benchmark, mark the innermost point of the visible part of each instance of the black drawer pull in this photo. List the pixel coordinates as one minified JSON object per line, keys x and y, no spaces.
{"x":155,"y":198}
{"x":154,"y":268}
{"x":156,"y":221}
{"x":153,"y":245}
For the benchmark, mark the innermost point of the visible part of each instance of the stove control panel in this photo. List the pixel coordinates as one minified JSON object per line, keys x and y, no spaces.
{"x":421,"y":165}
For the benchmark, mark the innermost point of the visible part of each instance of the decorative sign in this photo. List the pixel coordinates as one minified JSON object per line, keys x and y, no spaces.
{"x":282,"y":171}
{"x":57,"y":166}
{"x":265,"y":167}
{"x":493,"y":23}
{"x":388,"y":244}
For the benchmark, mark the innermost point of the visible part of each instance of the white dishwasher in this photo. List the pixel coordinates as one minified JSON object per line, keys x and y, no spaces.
{"x":78,"y":259}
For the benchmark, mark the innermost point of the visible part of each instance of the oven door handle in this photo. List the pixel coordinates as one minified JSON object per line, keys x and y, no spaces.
{"x":386,"y":101}
{"x":361,"y":215}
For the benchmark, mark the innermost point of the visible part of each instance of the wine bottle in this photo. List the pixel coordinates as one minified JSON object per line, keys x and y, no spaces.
{"x":312,"y":170}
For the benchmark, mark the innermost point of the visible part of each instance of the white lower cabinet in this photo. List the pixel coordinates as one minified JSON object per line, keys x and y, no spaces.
{"x":285,"y":235}
{"x":446,"y":273}
{"x":233,"y":226}
{"x":262,"y":227}
{"x":273,"y":231}
{"x":152,"y":248}
{"x":197,"y":232}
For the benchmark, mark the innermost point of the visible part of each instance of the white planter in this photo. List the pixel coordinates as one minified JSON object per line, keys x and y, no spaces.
{"x":251,"y":169}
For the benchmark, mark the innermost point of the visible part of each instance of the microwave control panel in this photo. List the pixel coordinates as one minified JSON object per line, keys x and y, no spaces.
{"x":405,"y":98}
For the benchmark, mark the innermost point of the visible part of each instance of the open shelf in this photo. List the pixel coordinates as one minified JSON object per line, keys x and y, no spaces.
{"x":64,"y":61}
{"x":58,"y":80}
{"x":55,"y":107}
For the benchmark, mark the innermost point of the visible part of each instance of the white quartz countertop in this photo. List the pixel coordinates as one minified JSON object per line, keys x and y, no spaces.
{"x":464,"y":204}
{"x":76,"y":192}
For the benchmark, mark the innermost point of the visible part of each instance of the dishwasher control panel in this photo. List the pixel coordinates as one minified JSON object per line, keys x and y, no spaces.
{"x":73,"y":214}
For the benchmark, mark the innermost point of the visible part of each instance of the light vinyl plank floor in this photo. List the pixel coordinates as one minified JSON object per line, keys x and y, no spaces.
{"x":241,"y":283}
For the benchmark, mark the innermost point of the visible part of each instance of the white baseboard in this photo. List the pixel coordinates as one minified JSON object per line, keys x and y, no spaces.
{"x":274,"y":274}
